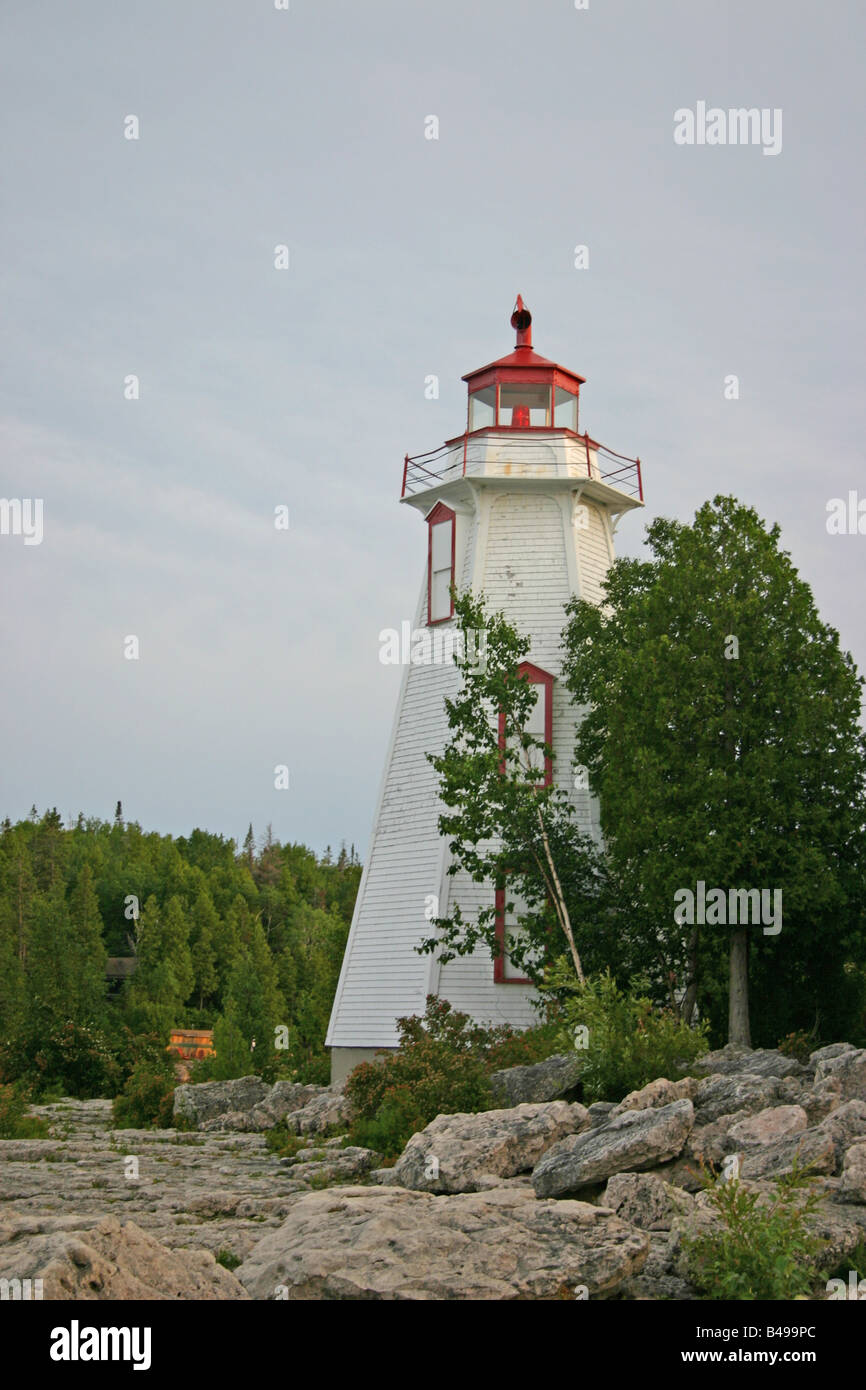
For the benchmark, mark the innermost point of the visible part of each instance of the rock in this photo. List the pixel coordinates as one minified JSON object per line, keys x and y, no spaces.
{"x":556,"y":1078}
{"x":337,"y":1165}
{"x":824,"y":1054}
{"x":849,"y":1069}
{"x":454,"y":1151}
{"x":390,"y":1243}
{"x":723,"y":1094}
{"x":600,"y":1111}
{"x":283,"y":1098}
{"x":631,"y":1142}
{"x":329,"y":1110}
{"x":711,"y":1144}
{"x":777,"y":1159}
{"x":728,"y":1061}
{"x":845,"y":1126}
{"x":645,"y":1200}
{"x":852,"y":1187}
{"x":769,"y":1125}
{"x":658,"y":1093}
{"x":198,"y":1103}
{"x":108,"y":1261}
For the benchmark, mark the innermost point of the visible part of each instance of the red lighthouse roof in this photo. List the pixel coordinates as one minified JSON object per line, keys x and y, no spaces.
{"x":523,"y":359}
{"x":523,"y":390}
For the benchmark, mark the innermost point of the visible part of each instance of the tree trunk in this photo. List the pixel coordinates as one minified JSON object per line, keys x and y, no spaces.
{"x":690,"y":998}
{"x":738,"y":996}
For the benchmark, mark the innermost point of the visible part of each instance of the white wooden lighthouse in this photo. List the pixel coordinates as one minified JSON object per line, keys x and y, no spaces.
{"x":521,"y":507}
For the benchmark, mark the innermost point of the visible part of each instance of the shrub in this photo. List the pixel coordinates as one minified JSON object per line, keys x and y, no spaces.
{"x":227,"y":1259}
{"x":629,"y":1040}
{"x":438,"y":1068}
{"x":761,"y":1247}
{"x":279,"y":1141}
{"x":147,"y":1099}
{"x":799,"y":1045}
{"x":73,"y":1058}
{"x":14,"y":1123}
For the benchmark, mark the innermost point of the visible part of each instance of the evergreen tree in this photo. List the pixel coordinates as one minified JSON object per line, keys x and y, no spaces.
{"x":722,"y":740}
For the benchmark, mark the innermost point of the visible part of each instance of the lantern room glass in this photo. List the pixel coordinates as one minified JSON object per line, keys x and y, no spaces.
{"x":524,"y":407}
{"x":564,"y":409}
{"x":482,"y":408}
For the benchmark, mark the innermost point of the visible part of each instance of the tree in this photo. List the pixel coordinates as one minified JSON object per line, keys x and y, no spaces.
{"x":722,"y":740}
{"x":165,"y":976}
{"x":504,"y":827}
{"x":250,"y":847}
{"x":205,"y":927}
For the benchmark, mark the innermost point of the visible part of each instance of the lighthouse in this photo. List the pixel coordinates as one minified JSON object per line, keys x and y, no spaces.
{"x":521,"y":507}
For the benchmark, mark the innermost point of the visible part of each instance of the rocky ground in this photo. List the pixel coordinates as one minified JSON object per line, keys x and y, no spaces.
{"x":542,"y":1198}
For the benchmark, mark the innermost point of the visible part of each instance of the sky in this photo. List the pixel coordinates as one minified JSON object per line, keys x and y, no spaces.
{"x":303,"y":387}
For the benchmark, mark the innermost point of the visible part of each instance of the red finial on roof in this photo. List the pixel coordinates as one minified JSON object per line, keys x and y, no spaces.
{"x":521,"y":319}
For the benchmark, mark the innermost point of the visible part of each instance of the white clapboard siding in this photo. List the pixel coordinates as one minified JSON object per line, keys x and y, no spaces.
{"x":521,"y":549}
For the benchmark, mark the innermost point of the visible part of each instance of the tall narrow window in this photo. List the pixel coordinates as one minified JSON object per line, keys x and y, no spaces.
{"x":507,"y":933}
{"x":540,"y":721}
{"x":440,"y":564}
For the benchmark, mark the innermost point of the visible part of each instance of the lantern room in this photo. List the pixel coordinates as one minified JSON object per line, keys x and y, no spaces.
{"x":523,"y":390}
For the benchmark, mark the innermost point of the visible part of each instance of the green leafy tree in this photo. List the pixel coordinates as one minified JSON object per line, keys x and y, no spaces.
{"x":504,"y":826}
{"x":722,"y":740}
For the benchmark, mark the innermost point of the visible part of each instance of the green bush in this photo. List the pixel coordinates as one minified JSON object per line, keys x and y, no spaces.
{"x":629,"y":1040}
{"x":799,"y":1045}
{"x":14,"y":1123}
{"x":147,"y":1099}
{"x":761,"y":1247}
{"x":75,"y":1059}
{"x":439,"y":1068}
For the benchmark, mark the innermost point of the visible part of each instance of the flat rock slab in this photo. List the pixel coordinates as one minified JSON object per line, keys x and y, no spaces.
{"x":78,"y":1260}
{"x":632,"y":1141}
{"x":729,"y":1060}
{"x":455,"y":1152}
{"x":556,"y":1078}
{"x":390,"y":1243}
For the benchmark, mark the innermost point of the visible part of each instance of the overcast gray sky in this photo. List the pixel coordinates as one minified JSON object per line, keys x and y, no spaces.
{"x":305,"y":386}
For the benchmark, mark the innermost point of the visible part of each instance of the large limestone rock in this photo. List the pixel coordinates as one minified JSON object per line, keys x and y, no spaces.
{"x":846,"y":1126}
{"x":390,"y":1243}
{"x":852,"y":1187}
{"x":79,"y":1260}
{"x":631,"y":1142}
{"x":723,"y":1094}
{"x":657,"y":1093}
{"x":776,"y":1159}
{"x":645,"y":1200}
{"x":556,"y":1078}
{"x":767,"y":1126}
{"x":455,"y":1152}
{"x":195,"y":1104}
{"x":328,"y":1111}
{"x":848,"y":1069}
{"x":727,"y":1061}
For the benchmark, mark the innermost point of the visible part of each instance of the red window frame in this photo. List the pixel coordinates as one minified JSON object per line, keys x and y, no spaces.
{"x":439,"y":514}
{"x":499,"y":975}
{"x":536,"y":676}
